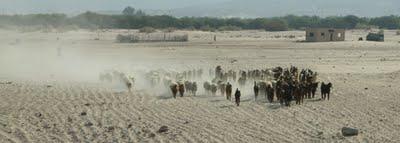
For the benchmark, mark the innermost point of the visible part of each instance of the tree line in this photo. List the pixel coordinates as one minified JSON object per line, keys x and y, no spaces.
{"x":136,"y":19}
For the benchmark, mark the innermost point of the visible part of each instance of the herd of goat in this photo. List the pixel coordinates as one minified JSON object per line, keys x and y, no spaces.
{"x":277,"y":84}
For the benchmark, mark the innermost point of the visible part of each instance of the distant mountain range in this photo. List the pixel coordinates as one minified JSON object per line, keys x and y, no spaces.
{"x":213,"y":8}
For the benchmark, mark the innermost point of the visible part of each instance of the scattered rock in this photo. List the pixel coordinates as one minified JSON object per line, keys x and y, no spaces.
{"x":38,"y":114}
{"x":145,"y":130}
{"x":83,"y":114}
{"x":49,"y":86}
{"x":8,"y":82}
{"x":152,"y":135}
{"x":87,"y":104}
{"x":69,"y":119}
{"x":366,"y":88}
{"x":110,"y":129}
{"x":186,"y":122}
{"x":346,"y":131}
{"x":88,"y":124}
{"x":129,"y":126}
{"x":320,"y":133}
{"x":163,"y":129}
{"x":46,"y":126}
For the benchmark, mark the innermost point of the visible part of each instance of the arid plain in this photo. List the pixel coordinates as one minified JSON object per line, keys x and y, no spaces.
{"x":50,"y":91}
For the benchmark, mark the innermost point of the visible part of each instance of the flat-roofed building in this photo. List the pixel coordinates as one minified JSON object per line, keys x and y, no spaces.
{"x":325,"y":34}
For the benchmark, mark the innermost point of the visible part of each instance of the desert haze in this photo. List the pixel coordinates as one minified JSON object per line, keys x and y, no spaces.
{"x":50,"y":89}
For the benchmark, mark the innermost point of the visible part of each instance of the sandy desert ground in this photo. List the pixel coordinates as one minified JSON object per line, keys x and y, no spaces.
{"x":55,"y":95}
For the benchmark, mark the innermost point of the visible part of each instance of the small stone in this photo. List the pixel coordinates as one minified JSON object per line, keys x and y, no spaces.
{"x":110,"y":129}
{"x":163,"y":129}
{"x":152,"y":135}
{"x":69,"y":119}
{"x":9,"y":82}
{"x":38,"y":114}
{"x":46,"y":126}
{"x":346,"y":131}
{"x":366,"y":88}
{"x":83,"y":114}
{"x":129,"y":126}
{"x":87,"y":104}
{"x":88,"y":124}
{"x":320,"y":133}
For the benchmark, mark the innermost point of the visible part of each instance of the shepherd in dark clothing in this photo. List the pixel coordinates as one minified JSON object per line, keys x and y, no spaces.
{"x":181,"y":89}
{"x":174,"y":89}
{"x":228,"y":91}
{"x":237,"y":97}
{"x":256,"y":90}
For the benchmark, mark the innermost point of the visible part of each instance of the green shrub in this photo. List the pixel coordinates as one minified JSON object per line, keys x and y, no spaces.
{"x":229,"y":28}
{"x":126,"y":38}
{"x":276,"y":25}
{"x":170,"y":29}
{"x":365,"y":26}
{"x":147,"y":30}
{"x":207,"y":28}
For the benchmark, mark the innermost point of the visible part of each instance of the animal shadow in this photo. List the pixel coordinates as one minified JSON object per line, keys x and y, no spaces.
{"x":274,"y":106}
{"x":227,"y":106}
{"x":315,"y":100}
{"x":216,"y":101}
{"x":165,"y":97}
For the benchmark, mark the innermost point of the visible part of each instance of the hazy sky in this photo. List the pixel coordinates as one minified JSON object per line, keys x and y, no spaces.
{"x":35,"y":6}
{"x":218,"y":8}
